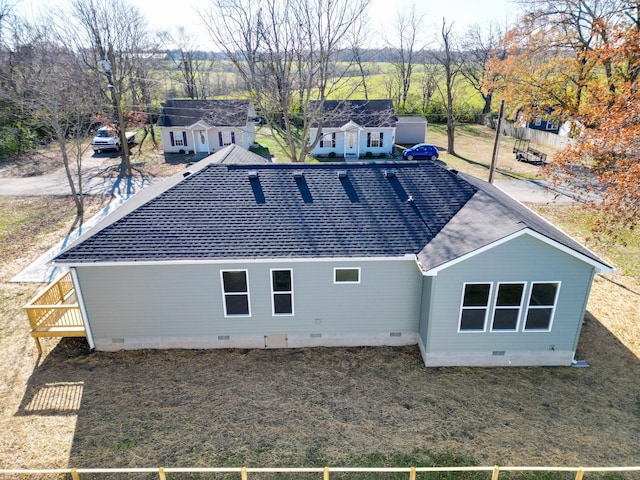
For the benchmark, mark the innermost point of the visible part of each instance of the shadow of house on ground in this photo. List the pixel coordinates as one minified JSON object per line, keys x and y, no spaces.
{"x":317,"y":406}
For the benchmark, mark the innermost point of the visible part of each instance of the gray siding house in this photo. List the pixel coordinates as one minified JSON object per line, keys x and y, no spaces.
{"x":237,"y":254}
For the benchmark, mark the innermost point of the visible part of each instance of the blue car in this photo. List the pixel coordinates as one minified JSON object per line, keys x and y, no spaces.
{"x":421,"y":151}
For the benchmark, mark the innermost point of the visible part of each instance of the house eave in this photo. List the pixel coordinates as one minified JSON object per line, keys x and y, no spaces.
{"x":600,"y":268}
{"x":219,"y":261}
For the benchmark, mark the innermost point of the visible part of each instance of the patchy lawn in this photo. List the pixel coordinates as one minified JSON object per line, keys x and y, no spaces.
{"x":474,"y":151}
{"x":306,"y":407}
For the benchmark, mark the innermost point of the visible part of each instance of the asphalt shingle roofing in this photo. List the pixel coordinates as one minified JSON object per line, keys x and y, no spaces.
{"x":221,"y":209}
{"x":219,"y":113}
{"x":366,"y":113}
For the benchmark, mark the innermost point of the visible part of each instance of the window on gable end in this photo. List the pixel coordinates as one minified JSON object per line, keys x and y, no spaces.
{"x":506,"y":312}
{"x":475,"y":306}
{"x":542,"y":305}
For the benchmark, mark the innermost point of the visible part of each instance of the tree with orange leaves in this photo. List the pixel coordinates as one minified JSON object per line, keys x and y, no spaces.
{"x":579,"y":60}
{"x":607,"y":140}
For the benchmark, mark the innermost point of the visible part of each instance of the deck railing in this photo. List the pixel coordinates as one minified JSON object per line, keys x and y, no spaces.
{"x":54,"y":312}
{"x":493,"y":473}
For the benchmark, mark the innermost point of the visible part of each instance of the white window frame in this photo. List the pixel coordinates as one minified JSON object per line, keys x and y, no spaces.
{"x":375,"y":141}
{"x":283,"y":292}
{"x":487,"y":307}
{"x":497,"y":307}
{"x":227,"y":137}
{"x":224,"y":293}
{"x":178,"y":140}
{"x":539,"y":307}
{"x":328,"y":140}
{"x":336,"y":281}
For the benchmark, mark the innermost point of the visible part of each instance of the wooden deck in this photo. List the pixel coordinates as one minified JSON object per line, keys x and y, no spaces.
{"x":54,"y":312}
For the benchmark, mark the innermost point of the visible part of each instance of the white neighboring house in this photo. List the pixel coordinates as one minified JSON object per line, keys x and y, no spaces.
{"x":206,"y":125}
{"x":355,"y":129}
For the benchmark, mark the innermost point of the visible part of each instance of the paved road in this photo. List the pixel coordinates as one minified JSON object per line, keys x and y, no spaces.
{"x":95,"y":182}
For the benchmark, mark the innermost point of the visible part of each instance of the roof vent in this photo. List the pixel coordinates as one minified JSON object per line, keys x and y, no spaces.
{"x":389,"y":173}
{"x":298,"y":174}
{"x":253,"y":174}
{"x":453,"y":170}
{"x":342,"y":174}
{"x":186,"y":174}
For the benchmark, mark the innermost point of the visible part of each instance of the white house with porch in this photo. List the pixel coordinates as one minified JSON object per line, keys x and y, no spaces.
{"x":355,"y":129}
{"x":206,"y":126}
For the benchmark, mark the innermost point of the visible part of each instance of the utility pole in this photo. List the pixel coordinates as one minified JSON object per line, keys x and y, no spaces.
{"x":496,"y":144}
{"x":115,"y":97}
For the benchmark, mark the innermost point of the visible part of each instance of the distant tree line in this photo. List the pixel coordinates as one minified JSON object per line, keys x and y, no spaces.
{"x":575,"y":61}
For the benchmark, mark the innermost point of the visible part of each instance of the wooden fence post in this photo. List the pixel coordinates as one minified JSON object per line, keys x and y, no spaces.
{"x":496,"y":472}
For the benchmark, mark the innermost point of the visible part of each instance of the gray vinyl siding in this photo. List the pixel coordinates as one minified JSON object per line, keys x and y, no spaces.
{"x":427,"y":303}
{"x":186,"y":300}
{"x":524,"y":259}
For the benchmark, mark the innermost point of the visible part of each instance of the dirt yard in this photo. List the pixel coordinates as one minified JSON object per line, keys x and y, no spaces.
{"x":305,"y":407}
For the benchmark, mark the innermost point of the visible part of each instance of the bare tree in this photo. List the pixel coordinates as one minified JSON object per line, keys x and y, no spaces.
{"x":286,"y":53}
{"x":359,"y":37}
{"x":404,"y":49}
{"x":481,"y":45}
{"x":429,"y":81}
{"x":449,"y":58}
{"x":6,"y":14}
{"x":113,"y":31}
{"x":195,"y":66}
{"x":48,"y":85}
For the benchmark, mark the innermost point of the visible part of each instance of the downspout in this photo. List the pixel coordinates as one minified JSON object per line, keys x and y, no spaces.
{"x":83,"y":310}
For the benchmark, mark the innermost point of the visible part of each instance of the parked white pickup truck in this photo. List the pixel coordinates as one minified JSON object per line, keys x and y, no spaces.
{"x":107,"y":138}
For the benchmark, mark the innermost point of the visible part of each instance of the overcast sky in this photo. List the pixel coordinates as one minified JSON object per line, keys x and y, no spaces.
{"x":164,"y":13}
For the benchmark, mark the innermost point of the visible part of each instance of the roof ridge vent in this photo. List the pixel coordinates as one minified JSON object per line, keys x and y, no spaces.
{"x":342,"y":174}
{"x":186,"y":173}
{"x":389,"y":173}
{"x":298,"y":174}
{"x":252,"y":174}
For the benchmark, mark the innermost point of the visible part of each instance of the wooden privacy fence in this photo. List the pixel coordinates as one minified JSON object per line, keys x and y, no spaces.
{"x":54,"y":312}
{"x":412,"y":472}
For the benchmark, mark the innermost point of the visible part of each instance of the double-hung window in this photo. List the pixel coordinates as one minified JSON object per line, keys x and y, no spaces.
{"x":542,"y":305}
{"x":235,"y":292}
{"x":282,"y":292}
{"x":328,"y":140}
{"x":375,"y":139}
{"x":506,"y":312}
{"x":226,"y":138}
{"x":475,"y":306}
{"x":178,"y":139}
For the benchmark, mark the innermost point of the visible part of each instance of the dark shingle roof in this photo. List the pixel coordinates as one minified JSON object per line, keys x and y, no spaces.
{"x":222,"y":113}
{"x":366,"y":113}
{"x":250,"y":211}
{"x":220,"y":212}
{"x":489,"y":216}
